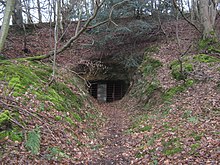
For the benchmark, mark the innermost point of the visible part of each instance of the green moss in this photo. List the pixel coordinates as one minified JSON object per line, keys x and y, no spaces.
{"x":58,"y":118}
{"x":172,"y":146}
{"x":175,"y":66}
{"x":194,"y":148}
{"x":172,"y":151}
{"x":150,"y":65}
{"x":16,"y":135}
{"x":146,"y":128}
{"x":70,"y":121}
{"x":32,"y":78}
{"x":151,"y":49}
{"x":56,"y":153}
{"x":203,"y":44}
{"x":196,"y":136}
{"x":170,"y":93}
{"x":69,"y":99}
{"x":3,"y":134}
{"x":205,"y":58}
{"x":76,"y":116}
{"x":152,"y":139}
{"x":5,"y":117}
{"x":150,"y":88}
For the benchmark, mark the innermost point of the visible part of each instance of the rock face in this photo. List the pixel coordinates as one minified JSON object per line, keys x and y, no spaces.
{"x":109,"y":78}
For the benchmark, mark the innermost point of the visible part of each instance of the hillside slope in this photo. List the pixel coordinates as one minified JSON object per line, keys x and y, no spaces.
{"x":42,"y":123}
{"x":169,"y":116}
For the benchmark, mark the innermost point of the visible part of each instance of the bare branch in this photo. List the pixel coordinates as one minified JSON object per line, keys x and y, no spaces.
{"x":113,"y":7}
{"x":181,"y":12}
{"x":79,"y":22}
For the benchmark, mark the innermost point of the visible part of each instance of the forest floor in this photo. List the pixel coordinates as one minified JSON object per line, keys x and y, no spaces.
{"x":113,"y":139}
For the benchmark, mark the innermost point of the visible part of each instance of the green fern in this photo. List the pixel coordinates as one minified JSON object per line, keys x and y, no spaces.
{"x":33,"y":141}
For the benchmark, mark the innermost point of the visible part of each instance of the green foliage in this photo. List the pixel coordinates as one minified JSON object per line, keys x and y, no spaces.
{"x":5,"y":117}
{"x":205,"y":58}
{"x":172,"y":146}
{"x":194,"y":148}
{"x":196,"y":136}
{"x":205,"y":44}
{"x":3,"y":134}
{"x":2,"y":57}
{"x":176,"y":72}
{"x":153,"y":138}
{"x":172,"y":151}
{"x":193,"y":119}
{"x":150,"y":88}
{"x":15,"y":134}
{"x":170,"y":93}
{"x":146,"y":128}
{"x":58,"y":118}
{"x":76,"y":116}
{"x":65,"y":97}
{"x":70,"y":121}
{"x":26,"y":78}
{"x":55,"y":153}
{"x":33,"y":141}
{"x":150,"y":65}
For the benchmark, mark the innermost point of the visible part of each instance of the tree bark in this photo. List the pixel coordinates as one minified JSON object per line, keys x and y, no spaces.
{"x":17,"y":18}
{"x":208,"y":11}
{"x":6,"y":21}
{"x":39,"y":11}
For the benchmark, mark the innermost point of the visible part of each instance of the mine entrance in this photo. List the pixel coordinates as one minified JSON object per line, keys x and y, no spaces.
{"x":108,"y":91}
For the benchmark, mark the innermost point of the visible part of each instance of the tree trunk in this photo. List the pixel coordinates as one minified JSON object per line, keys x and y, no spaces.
{"x":194,"y":11}
{"x":5,"y":23}
{"x":208,"y":10}
{"x":17,"y":18}
{"x":39,"y":11}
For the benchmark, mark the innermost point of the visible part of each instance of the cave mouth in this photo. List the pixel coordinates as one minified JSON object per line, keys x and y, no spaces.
{"x":108,"y":90}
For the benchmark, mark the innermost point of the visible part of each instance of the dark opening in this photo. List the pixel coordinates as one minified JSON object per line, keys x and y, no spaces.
{"x":108,"y":91}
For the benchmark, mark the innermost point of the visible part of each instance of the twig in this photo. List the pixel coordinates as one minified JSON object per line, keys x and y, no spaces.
{"x":16,"y":122}
{"x":20,"y":109}
{"x":51,"y":132}
{"x":79,"y":22}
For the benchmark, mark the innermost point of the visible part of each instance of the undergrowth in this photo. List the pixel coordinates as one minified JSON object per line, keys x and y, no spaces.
{"x":28,"y":82}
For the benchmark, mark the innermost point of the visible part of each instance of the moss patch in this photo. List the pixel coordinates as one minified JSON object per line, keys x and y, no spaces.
{"x":28,"y":80}
{"x":172,"y":147}
{"x":205,"y":58}
{"x":176,"y":72}
{"x":170,"y":93}
{"x":150,"y":65}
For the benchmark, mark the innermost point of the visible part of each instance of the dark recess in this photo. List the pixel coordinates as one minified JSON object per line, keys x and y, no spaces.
{"x":108,"y":90}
